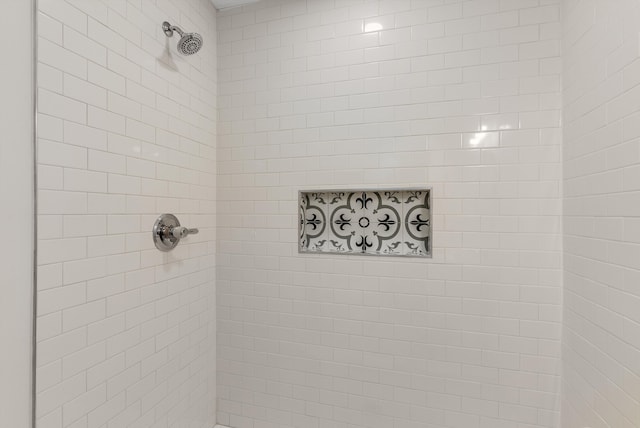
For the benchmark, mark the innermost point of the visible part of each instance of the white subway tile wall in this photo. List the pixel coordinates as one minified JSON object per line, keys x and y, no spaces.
{"x":126,"y":131}
{"x":461,"y":96}
{"x":601,"y":335}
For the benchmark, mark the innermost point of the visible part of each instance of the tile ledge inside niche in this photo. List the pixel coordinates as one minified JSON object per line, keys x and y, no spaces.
{"x":373,"y":222}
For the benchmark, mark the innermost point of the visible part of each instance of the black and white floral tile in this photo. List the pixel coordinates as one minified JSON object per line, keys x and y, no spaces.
{"x":380,"y":222}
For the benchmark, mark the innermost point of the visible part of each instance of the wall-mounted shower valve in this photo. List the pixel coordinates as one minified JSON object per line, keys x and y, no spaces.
{"x":167,"y":232}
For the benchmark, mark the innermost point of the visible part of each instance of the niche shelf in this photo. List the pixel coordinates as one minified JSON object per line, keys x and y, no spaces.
{"x":381,"y":222}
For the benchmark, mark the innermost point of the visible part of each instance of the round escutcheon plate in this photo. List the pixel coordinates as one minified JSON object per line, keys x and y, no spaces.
{"x":162,"y":236}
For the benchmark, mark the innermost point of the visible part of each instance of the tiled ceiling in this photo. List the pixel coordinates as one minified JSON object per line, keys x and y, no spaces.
{"x":225,"y":4}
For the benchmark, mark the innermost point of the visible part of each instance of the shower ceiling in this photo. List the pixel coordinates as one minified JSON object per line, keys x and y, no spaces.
{"x":225,"y":4}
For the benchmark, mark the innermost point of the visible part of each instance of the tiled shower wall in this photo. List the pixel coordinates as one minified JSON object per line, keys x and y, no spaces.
{"x":127,"y":130}
{"x":462,"y":96}
{"x":601,"y":336}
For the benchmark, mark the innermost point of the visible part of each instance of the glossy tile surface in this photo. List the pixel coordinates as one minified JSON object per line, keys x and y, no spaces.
{"x":459,"y":95}
{"x":126,"y":335}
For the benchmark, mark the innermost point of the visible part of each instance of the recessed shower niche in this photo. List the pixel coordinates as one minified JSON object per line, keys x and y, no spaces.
{"x":367,"y":222}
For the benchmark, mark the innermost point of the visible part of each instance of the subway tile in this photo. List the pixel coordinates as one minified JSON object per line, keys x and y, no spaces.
{"x":281,"y":127}
{"x":105,"y":120}
{"x":62,"y":59}
{"x":105,"y":78}
{"x":98,"y":31}
{"x":81,"y":315}
{"x":60,"y":250}
{"x":60,"y":298}
{"x":122,"y":66}
{"x":82,"y":270}
{"x":61,"y":393}
{"x":49,"y":28}
{"x":106,"y":162}
{"x":84,"y":181}
{"x":105,"y":245}
{"x":50,"y":177}
{"x":61,"y":106}
{"x":83,"y":46}
{"x":83,"y":225}
{"x":470,"y":73}
{"x":60,"y":202}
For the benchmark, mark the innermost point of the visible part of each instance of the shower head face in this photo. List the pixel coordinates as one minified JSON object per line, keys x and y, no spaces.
{"x":190,"y":43}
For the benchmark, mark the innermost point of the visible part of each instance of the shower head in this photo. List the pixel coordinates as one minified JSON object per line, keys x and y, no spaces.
{"x":189,"y":43}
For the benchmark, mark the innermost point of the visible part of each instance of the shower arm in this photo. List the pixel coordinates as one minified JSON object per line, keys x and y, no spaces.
{"x":169,"y":29}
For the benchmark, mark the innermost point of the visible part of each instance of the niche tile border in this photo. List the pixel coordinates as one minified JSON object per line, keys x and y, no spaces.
{"x":381,"y":222}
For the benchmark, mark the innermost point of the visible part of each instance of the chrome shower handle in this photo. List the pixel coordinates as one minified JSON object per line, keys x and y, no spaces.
{"x":182,"y":232}
{"x":167,"y":232}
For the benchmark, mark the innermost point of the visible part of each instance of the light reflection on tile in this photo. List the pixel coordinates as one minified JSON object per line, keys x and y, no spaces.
{"x":478,"y":140}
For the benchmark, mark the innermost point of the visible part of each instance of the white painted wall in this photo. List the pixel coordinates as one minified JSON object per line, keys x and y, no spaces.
{"x":460,"y":95}
{"x":601,"y":335}
{"x":127,"y":130}
{"x":16,"y":194}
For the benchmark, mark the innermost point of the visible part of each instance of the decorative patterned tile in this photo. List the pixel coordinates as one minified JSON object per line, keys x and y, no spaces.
{"x":313,"y":221}
{"x":342,"y":229}
{"x":370,"y":222}
{"x":417,"y":221}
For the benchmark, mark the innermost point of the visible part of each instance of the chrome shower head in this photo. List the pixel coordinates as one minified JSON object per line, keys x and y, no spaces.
{"x":189,"y":43}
